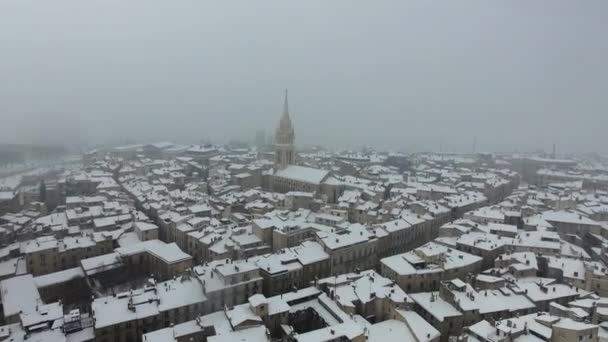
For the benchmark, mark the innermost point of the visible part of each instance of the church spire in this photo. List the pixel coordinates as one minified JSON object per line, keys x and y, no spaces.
{"x":286,"y":106}
{"x":284,"y":139}
{"x":285,"y":124}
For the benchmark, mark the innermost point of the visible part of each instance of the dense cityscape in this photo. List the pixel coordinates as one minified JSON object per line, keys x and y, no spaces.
{"x":268,"y":242}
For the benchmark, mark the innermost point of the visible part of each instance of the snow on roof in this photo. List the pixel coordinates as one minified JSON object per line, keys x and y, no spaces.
{"x":8,"y":268}
{"x":74,"y":242}
{"x":278,"y":263}
{"x":58,"y":277}
{"x":490,"y":301}
{"x":422,"y":330}
{"x":464,"y":199}
{"x":147,"y":302}
{"x":309,"y":252}
{"x":18,"y":334}
{"x":300,"y":194}
{"x":257,"y":299}
{"x":431,"y":257}
{"x":396,"y":225}
{"x":536,"y":292}
{"x":548,"y":241}
{"x":243,"y":315}
{"x":40,"y":244}
{"x":483,"y":241}
{"x":225,"y":323}
{"x":567,"y":217}
{"x":348,"y":330}
{"x":101,"y":263}
{"x":44,"y":313}
{"x":255,"y":334}
{"x":391,"y":330}
{"x":485,"y":331}
{"x":432,"y":303}
{"x":85,"y":199}
{"x":103,"y":222}
{"x":567,"y":323}
{"x":236,"y":267}
{"x":501,"y":227}
{"x":19,"y":294}
{"x":199,"y":208}
{"x":579,"y":313}
{"x":172,"y":334}
{"x":488,"y":279}
{"x":145,"y":226}
{"x":355,"y":234}
{"x":364,"y":287}
{"x":303,"y":174}
{"x":168,"y":252}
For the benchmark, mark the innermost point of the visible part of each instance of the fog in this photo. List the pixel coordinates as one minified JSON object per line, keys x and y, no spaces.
{"x":407,"y":75}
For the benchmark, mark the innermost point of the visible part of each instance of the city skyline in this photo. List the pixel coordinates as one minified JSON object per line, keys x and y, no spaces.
{"x":277,"y":171}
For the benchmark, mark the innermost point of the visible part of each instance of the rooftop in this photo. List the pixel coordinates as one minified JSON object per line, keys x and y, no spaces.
{"x":303,"y":174}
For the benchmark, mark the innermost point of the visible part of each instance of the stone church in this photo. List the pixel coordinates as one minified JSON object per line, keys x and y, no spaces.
{"x":287,"y":176}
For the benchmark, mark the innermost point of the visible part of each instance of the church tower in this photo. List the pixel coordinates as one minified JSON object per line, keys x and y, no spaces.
{"x":284,"y":149}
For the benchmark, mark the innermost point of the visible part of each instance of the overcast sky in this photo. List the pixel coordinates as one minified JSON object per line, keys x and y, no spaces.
{"x":518,"y":75}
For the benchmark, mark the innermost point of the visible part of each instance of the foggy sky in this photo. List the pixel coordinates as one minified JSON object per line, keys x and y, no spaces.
{"x":408,"y":75}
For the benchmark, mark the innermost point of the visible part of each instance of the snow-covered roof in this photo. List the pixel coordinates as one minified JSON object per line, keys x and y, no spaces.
{"x":303,"y":174}
{"x":19,"y":294}
{"x":58,"y":277}
{"x":168,"y":252}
